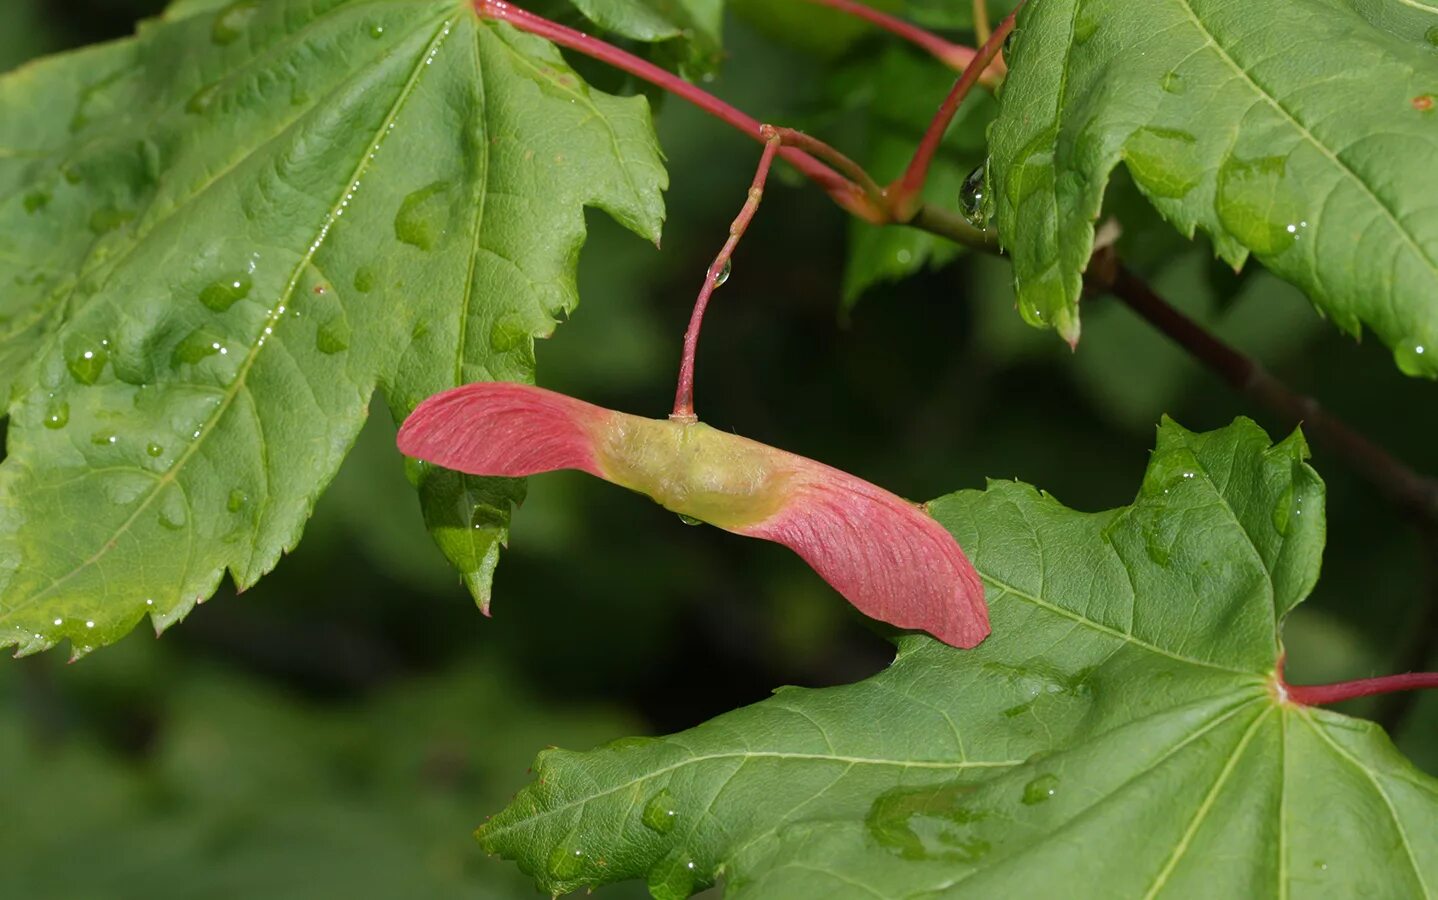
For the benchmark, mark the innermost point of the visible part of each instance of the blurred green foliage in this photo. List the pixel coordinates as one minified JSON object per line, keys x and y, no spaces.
{"x":342,"y":727}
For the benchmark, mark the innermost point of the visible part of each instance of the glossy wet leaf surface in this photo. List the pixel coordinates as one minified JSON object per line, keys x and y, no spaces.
{"x":1117,"y":733}
{"x":1309,"y":146}
{"x":237,"y":227}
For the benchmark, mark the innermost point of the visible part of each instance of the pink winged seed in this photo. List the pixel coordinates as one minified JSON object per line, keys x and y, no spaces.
{"x":882,"y":553}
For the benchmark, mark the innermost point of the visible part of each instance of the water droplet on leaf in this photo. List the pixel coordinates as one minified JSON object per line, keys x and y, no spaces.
{"x":237,"y":500}
{"x":154,"y":449}
{"x":197,"y":345}
{"x":1040,"y":789}
{"x":1162,"y":160}
{"x":376,"y":31}
{"x":232,"y":21}
{"x":36,"y":201}
{"x":421,"y":217}
{"x":1256,"y":203}
{"x":659,"y":813}
{"x":202,"y":99}
{"x":673,"y":877}
{"x":565,"y":862}
{"x":972,"y":195}
{"x":1432,"y":35}
{"x":364,"y":279}
{"x":226,"y":292}
{"x":1173,"y":83}
{"x":57,"y":414}
{"x":333,"y":336}
{"x":173,"y":514}
{"x":1085,"y":28}
{"x":88,"y":362}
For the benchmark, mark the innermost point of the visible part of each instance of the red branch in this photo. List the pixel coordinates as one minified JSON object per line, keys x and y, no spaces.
{"x":717,"y":274}
{"x":955,"y":56}
{"x":904,"y":193}
{"x":1324,"y":694}
{"x":844,"y":192}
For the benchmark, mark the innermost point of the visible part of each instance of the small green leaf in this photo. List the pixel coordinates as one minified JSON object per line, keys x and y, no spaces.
{"x":1119,"y":731}
{"x":697,"y":23}
{"x":253,"y":215}
{"x":1308,"y":146}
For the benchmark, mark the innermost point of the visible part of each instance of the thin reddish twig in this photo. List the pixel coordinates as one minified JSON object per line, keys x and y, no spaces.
{"x":1324,"y":694}
{"x":904,"y":193}
{"x":719,"y":272}
{"x":955,"y":56}
{"x":846,"y":193}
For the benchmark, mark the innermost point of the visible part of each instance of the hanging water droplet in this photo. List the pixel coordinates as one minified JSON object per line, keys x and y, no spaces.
{"x":226,"y":292}
{"x":1414,"y":357}
{"x":1040,"y":789}
{"x":659,"y":813}
{"x":971,"y":195}
{"x":57,"y":414}
{"x":723,"y":274}
{"x":690,"y":520}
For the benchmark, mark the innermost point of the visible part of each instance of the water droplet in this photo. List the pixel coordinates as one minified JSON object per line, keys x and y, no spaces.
{"x":1283,"y":511}
{"x":723,"y":274}
{"x":659,"y":813}
{"x":88,"y":362}
{"x":202,"y":99}
{"x":232,"y":21}
{"x":376,"y":31}
{"x":226,"y":292}
{"x":1414,"y":357}
{"x":1256,"y":203}
{"x":237,"y":500}
{"x":1157,"y":548}
{"x":972,"y":195}
{"x":1040,"y":789}
{"x":673,"y":877}
{"x":333,"y":336}
{"x":104,"y":438}
{"x":36,"y":201}
{"x":565,"y":862}
{"x":57,"y":414}
{"x":90,"y":623}
{"x":1085,"y":28}
{"x":108,"y":218}
{"x":173,"y":511}
{"x":1163,"y":161}
{"x":364,"y":279}
{"x":421,"y":217}
{"x":1173,"y":83}
{"x":690,"y":520}
{"x":154,"y":449}
{"x":59,"y":621}
{"x":507,"y":333}
{"x":1432,"y":35}
{"x":197,"y":345}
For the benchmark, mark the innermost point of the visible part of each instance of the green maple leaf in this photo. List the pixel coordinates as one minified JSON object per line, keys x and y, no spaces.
{"x":1310,"y":146}
{"x":1120,"y":732}
{"x":698,"y":24}
{"x":218,"y":238}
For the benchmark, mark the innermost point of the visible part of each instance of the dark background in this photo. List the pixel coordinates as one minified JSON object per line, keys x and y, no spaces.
{"x":343,"y":726}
